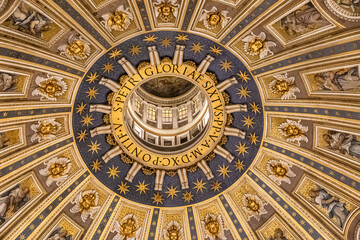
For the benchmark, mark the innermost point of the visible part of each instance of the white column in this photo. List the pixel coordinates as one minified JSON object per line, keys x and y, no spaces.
{"x":159,"y":179}
{"x":135,"y":168}
{"x":178,"y":55}
{"x":100,"y":130}
{"x":183,"y":178}
{"x":224,"y":153}
{"x":226,"y":84}
{"x":234,"y":132}
{"x":206,"y":169}
{"x":128,"y":67}
{"x":145,"y":109}
{"x":175,"y":112}
{"x":189,"y":111}
{"x":100,"y":108}
{"x":236,"y":108}
{"x":109,"y":84}
{"x":159,"y":117}
{"x":204,"y":65}
{"x":111,"y":154}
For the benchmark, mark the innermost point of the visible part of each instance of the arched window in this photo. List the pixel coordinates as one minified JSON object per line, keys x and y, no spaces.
{"x":151,"y":111}
{"x":167,"y":115}
{"x":182,"y":112}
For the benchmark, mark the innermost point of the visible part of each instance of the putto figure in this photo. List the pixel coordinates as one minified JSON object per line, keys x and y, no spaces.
{"x":127,"y":229}
{"x":303,"y":20}
{"x":45,"y":130}
{"x":166,"y":10}
{"x":280,"y":171}
{"x":331,"y":204}
{"x":49,"y":88}
{"x":293,"y":131}
{"x":4,"y":140}
{"x":12,"y":201}
{"x":258,"y":45}
{"x":284,"y":85}
{"x":77,"y":48}
{"x":7,"y":82}
{"x":213,"y":227}
{"x":343,"y":142}
{"x":340,"y":80}
{"x":86,"y":203}
{"x":254,"y":206}
{"x":56,"y":170}
{"x":119,"y":20}
{"x":173,"y":231}
{"x":278,"y":235}
{"x":214,"y":18}
{"x":60,"y":234}
{"x":30,"y":21}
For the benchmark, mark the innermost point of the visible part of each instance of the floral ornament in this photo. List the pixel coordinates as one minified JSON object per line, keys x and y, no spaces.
{"x":254,"y":206}
{"x":284,"y":85}
{"x":214,"y":18}
{"x":56,"y":170}
{"x":45,"y":130}
{"x":86,"y":203}
{"x":280,"y":171}
{"x":50,"y":87}
{"x":213,"y":227}
{"x":166,"y":9}
{"x":173,"y":231}
{"x":293,"y":131}
{"x":76,"y":49}
{"x":127,"y":229}
{"x":119,"y":20}
{"x":255,"y":45}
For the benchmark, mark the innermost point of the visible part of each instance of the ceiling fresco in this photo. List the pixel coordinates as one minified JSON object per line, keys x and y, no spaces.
{"x":278,"y":152}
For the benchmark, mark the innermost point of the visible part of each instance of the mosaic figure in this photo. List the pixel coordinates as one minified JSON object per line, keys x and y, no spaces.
{"x":86,"y":203}
{"x":4,"y":140}
{"x":213,"y":227}
{"x":280,"y":171}
{"x":166,"y":10}
{"x":119,"y":20}
{"x":56,"y":170}
{"x":293,"y":131}
{"x":340,"y":80}
{"x":302,"y":20}
{"x":278,"y":235}
{"x":30,"y":21}
{"x":7,"y":82}
{"x":173,"y":231}
{"x":128,"y":228}
{"x":214,"y":18}
{"x":258,"y":45}
{"x":77,"y":48}
{"x":45,"y":130}
{"x":343,"y":142}
{"x":60,"y":234}
{"x":332,"y":205}
{"x":284,"y":85}
{"x":12,"y":201}
{"x":49,"y":88}
{"x":253,"y":206}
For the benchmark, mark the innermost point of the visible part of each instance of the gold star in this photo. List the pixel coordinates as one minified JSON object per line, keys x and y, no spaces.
{"x":253,"y":138}
{"x":182,"y":37}
{"x":92,"y":93}
{"x":87,"y":120}
{"x":241,"y":149}
{"x":94,"y":147}
{"x":172,"y":192}
{"x":108,"y":67}
{"x":96,"y":165}
{"x":216,"y":186}
{"x":113,"y":172}
{"x":199,"y":185}
{"x":216,"y":50}
{"x":81,"y":107}
{"x":22,"y":236}
{"x":92,"y":77}
{"x":123,"y":188}
{"x":255,"y":108}
{"x":135,"y":50}
{"x":243,"y":76}
{"x":187,"y":196}
{"x":82,"y":135}
{"x":142,"y":187}
{"x":197,"y":48}
{"x":150,"y":38}
{"x":239,"y":165}
{"x":115,"y":53}
{"x":243,"y":92}
{"x":226,"y":65}
{"x":157,"y":198}
{"x":249,"y":122}
{"x":165,"y":42}
{"x":224,"y":171}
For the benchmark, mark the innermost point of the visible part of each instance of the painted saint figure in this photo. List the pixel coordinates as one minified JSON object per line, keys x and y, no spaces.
{"x":30,"y":21}
{"x":302,"y":20}
{"x":7,"y":82}
{"x":12,"y":201}
{"x":341,"y":80}
{"x":278,"y":235}
{"x":4,"y":140}
{"x":343,"y":142}
{"x":60,"y":234}
{"x":331,"y":204}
